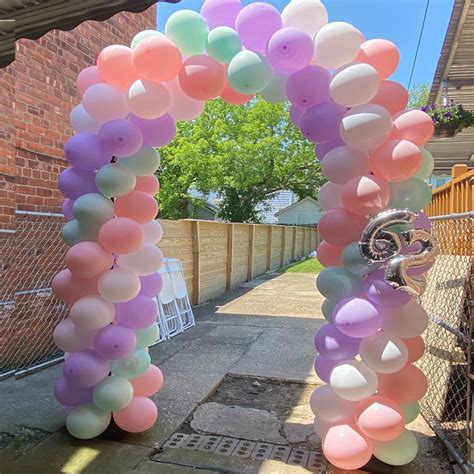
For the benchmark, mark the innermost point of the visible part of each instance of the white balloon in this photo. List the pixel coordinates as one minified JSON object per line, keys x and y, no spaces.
{"x":330,"y":196}
{"x":355,"y":85}
{"x":353,"y":381}
{"x":366,"y":126}
{"x":104,"y":102}
{"x":82,"y":122}
{"x":343,"y":163}
{"x":183,"y":107}
{"x":153,"y":232}
{"x":411,"y":320}
{"x":275,"y":92}
{"x":330,"y":408}
{"x":307,"y":15}
{"x":148,"y":99}
{"x":384,"y":353}
{"x":144,"y":261}
{"x":119,"y":285}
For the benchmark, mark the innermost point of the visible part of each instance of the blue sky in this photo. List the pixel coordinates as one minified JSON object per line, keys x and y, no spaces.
{"x":397,"y":20}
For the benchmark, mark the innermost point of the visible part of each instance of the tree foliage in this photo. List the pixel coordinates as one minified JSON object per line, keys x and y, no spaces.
{"x":245,"y":153}
{"x":419,"y":95}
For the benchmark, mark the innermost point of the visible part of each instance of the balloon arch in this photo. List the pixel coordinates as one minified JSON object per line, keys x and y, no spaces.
{"x":376,"y":244}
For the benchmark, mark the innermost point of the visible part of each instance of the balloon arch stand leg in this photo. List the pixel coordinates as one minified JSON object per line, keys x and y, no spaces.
{"x":376,"y":241}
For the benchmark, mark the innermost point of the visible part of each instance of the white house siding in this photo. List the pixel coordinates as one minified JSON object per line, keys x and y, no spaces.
{"x":272,"y":206}
{"x":305,"y":212}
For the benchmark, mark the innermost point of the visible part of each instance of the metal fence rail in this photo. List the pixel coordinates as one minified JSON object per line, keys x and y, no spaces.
{"x":447,"y":363}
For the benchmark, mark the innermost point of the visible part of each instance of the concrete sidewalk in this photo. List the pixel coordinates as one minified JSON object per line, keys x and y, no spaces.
{"x":243,"y":373}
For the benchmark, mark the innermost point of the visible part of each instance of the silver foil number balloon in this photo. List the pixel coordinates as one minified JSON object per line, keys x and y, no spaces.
{"x":380,"y":244}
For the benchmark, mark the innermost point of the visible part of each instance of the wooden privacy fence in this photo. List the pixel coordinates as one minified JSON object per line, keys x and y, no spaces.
{"x":219,"y":256}
{"x":454,"y":197}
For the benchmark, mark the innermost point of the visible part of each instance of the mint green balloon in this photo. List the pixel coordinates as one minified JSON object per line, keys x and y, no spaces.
{"x":275,"y":92}
{"x":249,"y":73}
{"x":188,"y":30}
{"x":87,"y":421}
{"x":354,"y":262}
{"x":223,"y":43}
{"x":132,"y":366}
{"x":142,"y":35}
{"x":148,"y":336}
{"x":427,"y":167}
{"x":115,"y":180}
{"x":411,"y":410}
{"x":398,"y":452}
{"x":146,"y":161}
{"x":113,"y":393}
{"x":75,"y":232}
{"x":327,"y":308}
{"x":413,"y":194}
{"x":336,"y":283}
{"x":93,"y":209}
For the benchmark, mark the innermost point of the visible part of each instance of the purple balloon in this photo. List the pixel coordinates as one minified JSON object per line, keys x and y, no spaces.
{"x":321,"y":123}
{"x":290,"y":50}
{"x":86,"y":152}
{"x":158,"y":132}
{"x":323,"y":367}
{"x":139,"y":313}
{"x":322,"y":149}
{"x":357,"y":317}
{"x":74,"y":182}
{"x":256,"y":24}
{"x":85,"y":369}
{"x":309,"y":87}
{"x":115,"y":342}
{"x":423,"y":222}
{"x":334,"y":345}
{"x":382,"y":294}
{"x":121,"y":137}
{"x":295,"y":114}
{"x":151,"y":285}
{"x":71,"y":396}
{"x":221,"y":12}
{"x":67,"y":209}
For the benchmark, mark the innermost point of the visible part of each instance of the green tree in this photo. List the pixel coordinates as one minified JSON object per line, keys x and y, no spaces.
{"x":419,"y":95}
{"x":245,"y":153}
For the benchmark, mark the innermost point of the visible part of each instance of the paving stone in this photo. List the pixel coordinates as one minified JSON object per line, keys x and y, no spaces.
{"x":176,"y":440}
{"x":262,"y":451}
{"x":209,"y":443}
{"x":244,"y":449}
{"x":317,"y":461}
{"x":299,"y":424}
{"x":298,"y":457}
{"x":227,"y":446}
{"x":152,"y":467}
{"x":280,"y":453}
{"x":193,"y":441}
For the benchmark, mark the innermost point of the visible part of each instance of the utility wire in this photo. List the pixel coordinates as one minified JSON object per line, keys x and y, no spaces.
{"x":419,"y":42}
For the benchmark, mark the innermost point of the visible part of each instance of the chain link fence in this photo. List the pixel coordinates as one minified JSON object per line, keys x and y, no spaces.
{"x":447,"y":362}
{"x":30,"y":256}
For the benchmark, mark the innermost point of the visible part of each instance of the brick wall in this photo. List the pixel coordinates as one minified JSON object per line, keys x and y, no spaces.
{"x":37,"y":93}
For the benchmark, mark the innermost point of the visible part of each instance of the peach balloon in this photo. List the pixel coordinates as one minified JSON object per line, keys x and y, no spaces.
{"x":415,"y":126}
{"x":183,"y":107}
{"x":149,"y":383}
{"x":396,"y":160}
{"x":343,"y":163}
{"x":121,"y":235}
{"x":119,"y":285}
{"x":364,"y":195}
{"x":391,"y":96}
{"x":92,"y":312}
{"x":138,"y":206}
{"x":341,"y":227}
{"x":88,"y":77}
{"x":416,"y":348}
{"x":153,"y":232}
{"x":148,"y":184}
{"x":330,"y":255}
{"x":346,"y":447}
{"x":406,"y":386}
{"x":88,"y":259}
{"x":140,"y":415}
{"x":383,"y":55}
{"x":148,"y":99}
{"x":144,"y":261}
{"x":329,"y":196}
{"x":157,"y":58}
{"x":71,"y":338}
{"x":380,"y":418}
{"x":116,"y":67}
{"x":202,"y":77}
{"x":69,"y":288}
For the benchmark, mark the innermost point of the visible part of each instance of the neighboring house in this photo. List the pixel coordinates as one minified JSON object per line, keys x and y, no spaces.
{"x":206,"y":212}
{"x":304,"y":212}
{"x":271,"y":207}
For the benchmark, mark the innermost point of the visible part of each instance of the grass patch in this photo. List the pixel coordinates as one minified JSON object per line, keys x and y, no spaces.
{"x":310,"y":265}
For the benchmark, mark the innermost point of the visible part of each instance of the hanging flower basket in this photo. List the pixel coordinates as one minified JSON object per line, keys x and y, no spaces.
{"x":445,"y":130}
{"x":449,"y":119}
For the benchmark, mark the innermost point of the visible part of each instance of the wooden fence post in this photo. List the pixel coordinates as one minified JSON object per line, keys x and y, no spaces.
{"x":196,"y":262}
{"x":283,"y":248}
{"x":303,"y":245}
{"x":230,"y":255}
{"x":269,"y":248}
{"x":293,"y":245}
{"x":251,"y":252}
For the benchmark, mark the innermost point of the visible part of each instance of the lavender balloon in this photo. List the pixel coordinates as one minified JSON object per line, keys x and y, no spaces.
{"x":309,"y":87}
{"x":321,"y":123}
{"x":332,"y":344}
{"x":85,"y":151}
{"x":69,"y":395}
{"x":74,"y":182}
{"x":256,"y":24}
{"x":290,"y":50}
{"x":323,"y":367}
{"x":85,"y":369}
{"x":151,"y":285}
{"x":67,"y":209}
{"x":115,"y":342}
{"x":138,"y":313}
{"x":382,"y":294}
{"x":295,"y":114}
{"x":121,"y":137}
{"x":221,"y":12}
{"x":322,"y":149}
{"x":158,"y":132}
{"x":357,"y":317}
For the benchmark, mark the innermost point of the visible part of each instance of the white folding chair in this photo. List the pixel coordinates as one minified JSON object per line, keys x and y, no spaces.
{"x":181,"y":293}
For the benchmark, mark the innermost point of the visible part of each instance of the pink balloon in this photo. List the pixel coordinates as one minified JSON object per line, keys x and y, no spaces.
{"x":383,"y":55}
{"x":416,"y":348}
{"x":221,"y":12}
{"x":121,"y":235}
{"x":88,"y":77}
{"x":346,"y":447}
{"x":330,"y":255}
{"x":322,"y":149}
{"x":69,"y":288}
{"x":144,"y":261}
{"x":340,"y":227}
{"x":119,"y":285}
{"x":140,"y":415}
{"x":88,"y":259}
{"x":406,"y":386}
{"x":329,"y":407}
{"x":344,"y":163}
{"x":148,"y":99}
{"x":309,"y":87}
{"x":364,"y":195}
{"x":329,"y":196}
{"x":158,"y":132}
{"x":149,"y":383}
{"x":183,"y":107}
{"x":415,"y":126}
{"x":138,"y":206}
{"x":115,"y":64}
{"x":92,"y":312}
{"x":391,"y":96}
{"x":71,"y":338}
